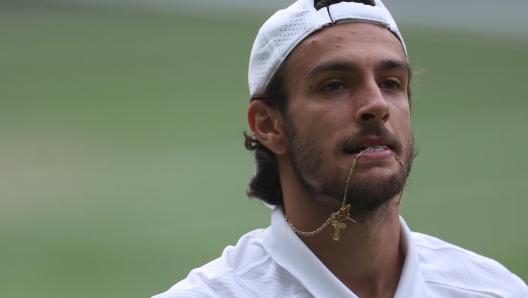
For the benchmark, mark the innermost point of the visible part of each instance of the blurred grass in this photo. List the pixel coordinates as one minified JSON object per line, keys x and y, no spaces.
{"x":122,"y":163}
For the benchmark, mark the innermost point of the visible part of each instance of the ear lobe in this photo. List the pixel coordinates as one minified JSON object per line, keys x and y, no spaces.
{"x":267,"y":126}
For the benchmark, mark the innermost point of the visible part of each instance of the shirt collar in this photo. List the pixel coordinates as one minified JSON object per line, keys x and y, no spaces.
{"x":411,"y":282}
{"x":288,"y":250}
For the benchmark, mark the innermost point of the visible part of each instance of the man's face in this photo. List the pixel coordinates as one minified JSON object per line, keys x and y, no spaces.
{"x":347,"y":87}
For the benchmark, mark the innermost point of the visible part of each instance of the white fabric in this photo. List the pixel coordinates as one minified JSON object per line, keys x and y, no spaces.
{"x":276,"y":263}
{"x":283,"y":31}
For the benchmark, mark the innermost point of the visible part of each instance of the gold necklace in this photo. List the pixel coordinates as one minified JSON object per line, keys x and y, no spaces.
{"x":337,"y":218}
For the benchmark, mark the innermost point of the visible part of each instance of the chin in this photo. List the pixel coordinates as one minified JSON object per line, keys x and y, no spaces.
{"x":368,"y":193}
{"x":368,"y":190}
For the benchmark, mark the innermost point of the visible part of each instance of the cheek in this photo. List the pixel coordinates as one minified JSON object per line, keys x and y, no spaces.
{"x":400,"y":121}
{"x":401,"y":111}
{"x":327,"y":122}
{"x":320,"y":126}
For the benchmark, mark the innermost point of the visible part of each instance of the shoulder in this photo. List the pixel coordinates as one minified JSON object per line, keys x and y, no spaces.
{"x":451,"y":266}
{"x":244,"y":270}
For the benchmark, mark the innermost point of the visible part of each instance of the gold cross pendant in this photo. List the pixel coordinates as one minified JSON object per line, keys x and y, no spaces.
{"x":342,"y":215}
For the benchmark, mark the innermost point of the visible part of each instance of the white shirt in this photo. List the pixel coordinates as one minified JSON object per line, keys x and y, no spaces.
{"x":276,"y":263}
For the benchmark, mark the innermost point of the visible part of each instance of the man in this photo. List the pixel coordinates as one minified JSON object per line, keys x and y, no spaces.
{"x":331,"y":132}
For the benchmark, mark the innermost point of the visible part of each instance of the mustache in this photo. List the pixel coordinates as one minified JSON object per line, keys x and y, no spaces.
{"x":370,"y":131}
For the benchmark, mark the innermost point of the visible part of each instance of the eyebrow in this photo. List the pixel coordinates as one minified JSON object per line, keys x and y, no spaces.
{"x":395,"y":64}
{"x":322,"y":67}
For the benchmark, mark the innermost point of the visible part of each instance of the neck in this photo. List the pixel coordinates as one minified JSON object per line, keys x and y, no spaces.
{"x":368,"y":258}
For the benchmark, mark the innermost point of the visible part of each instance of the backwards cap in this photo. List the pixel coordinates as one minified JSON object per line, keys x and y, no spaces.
{"x":288,"y":27}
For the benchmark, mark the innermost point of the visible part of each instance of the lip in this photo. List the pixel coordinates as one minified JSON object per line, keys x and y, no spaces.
{"x":372,"y":155}
{"x":372,"y":141}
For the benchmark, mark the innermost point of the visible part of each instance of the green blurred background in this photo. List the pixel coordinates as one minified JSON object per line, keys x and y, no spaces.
{"x":122,"y":165}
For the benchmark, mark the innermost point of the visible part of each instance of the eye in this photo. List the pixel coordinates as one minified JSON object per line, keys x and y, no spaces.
{"x":390,"y":85}
{"x":334,"y":86}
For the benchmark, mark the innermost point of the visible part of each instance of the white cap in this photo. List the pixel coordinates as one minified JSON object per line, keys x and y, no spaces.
{"x":288,"y":27}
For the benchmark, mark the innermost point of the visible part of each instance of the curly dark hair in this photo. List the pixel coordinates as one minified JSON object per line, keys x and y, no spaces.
{"x":265,"y":184}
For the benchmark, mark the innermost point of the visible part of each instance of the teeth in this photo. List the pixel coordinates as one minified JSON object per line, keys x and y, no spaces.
{"x":377,"y":149}
{"x":372,"y":147}
{"x":369,"y":147}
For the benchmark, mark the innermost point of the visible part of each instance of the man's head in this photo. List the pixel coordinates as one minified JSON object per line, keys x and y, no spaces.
{"x":338,"y":90}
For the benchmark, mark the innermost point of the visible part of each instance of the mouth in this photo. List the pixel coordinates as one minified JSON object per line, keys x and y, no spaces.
{"x":369,"y":147}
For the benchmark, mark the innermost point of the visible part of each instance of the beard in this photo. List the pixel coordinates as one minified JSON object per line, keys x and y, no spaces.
{"x":364,"y":195}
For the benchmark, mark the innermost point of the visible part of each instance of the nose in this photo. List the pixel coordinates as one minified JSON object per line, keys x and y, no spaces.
{"x":373,"y":108}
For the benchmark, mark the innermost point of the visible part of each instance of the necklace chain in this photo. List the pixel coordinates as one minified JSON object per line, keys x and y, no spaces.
{"x":312,"y":232}
{"x":333,"y":215}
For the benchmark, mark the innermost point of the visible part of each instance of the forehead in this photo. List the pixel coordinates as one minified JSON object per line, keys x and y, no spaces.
{"x":359,"y":43}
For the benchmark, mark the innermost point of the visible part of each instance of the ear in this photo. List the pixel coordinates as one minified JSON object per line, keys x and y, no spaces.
{"x":267,"y":126}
